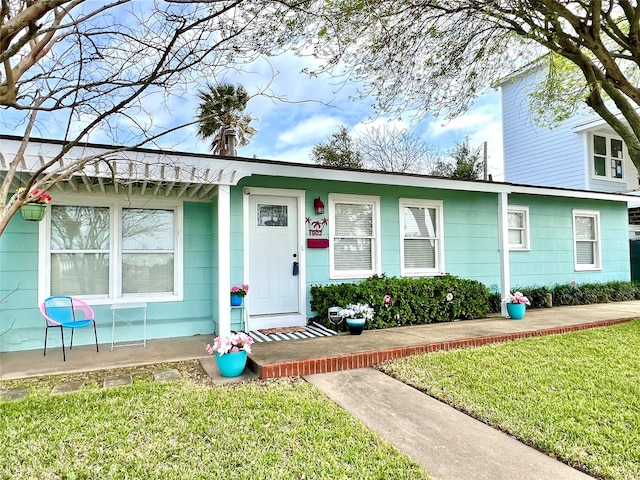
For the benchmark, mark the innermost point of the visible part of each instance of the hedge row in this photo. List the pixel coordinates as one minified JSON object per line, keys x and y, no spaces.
{"x":574,"y":294}
{"x":414,"y":301}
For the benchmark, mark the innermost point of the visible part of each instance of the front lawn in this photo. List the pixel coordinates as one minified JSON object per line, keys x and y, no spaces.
{"x":282,"y":429}
{"x":575,"y":396}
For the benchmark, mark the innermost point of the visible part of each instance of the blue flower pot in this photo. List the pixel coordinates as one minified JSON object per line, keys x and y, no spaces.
{"x":236,"y":300}
{"x":356,"y":325}
{"x":516,"y":310}
{"x":231,"y":364}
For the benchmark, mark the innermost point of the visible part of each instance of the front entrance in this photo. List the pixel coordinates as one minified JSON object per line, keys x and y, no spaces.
{"x":273,"y":228}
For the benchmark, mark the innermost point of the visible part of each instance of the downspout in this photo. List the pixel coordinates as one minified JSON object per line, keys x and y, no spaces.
{"x":503,"y":239}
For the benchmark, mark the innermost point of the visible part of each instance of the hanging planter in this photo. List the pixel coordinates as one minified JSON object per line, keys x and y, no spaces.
{"x":33,"y":212}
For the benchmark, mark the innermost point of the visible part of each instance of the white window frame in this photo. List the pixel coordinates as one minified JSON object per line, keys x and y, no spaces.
{"x":608,"y":158}
{"x":597,"y":265}
{"x":115,"y":205}
{"x":439,"y":251}
{"x":376,"y":252}
{"x":526,"y":229}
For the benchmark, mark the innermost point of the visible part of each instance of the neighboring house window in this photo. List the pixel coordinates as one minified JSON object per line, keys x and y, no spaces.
{"x":355,"y":236}
{"x":518,"y":219}
{"x":586,"y":239}
{"x":112,"y":252}
{"x":422,"y":242}
{"x":608,"y":156}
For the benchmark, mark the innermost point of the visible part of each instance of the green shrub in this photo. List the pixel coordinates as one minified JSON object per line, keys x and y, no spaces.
{"x":414,"y":301}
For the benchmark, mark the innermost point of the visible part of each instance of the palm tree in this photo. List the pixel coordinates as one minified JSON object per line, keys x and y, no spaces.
{"x":221,"y":109}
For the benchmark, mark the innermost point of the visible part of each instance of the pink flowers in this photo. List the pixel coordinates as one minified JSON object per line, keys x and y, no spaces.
{"x":240,"y":290}
{"x":234,"y":343}
{"x":386,"y":299}
{"x":517,"y":297}
{"x":37,"y":196}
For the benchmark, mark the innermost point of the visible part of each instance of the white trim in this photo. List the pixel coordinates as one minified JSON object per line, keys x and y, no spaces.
{"x":526,"y":246}
{"x":299,"y":317}
{"x":503,"y":245}
{"x":223,"y":218}
{"x":438,"y":205}
{"x":376,"y":250}
{"x":115,"y":204}
{"x":597,"y":265}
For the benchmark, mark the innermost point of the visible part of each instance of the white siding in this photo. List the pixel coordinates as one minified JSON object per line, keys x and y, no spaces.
{"x":535,"y":155}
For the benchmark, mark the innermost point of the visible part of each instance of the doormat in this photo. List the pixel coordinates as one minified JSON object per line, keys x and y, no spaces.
{"x":313,"y":330}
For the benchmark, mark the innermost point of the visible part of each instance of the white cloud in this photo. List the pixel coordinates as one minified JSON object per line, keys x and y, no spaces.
{"x":312,"y":130}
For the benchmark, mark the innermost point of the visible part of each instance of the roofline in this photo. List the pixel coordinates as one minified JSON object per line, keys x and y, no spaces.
{"x":320,"y":172}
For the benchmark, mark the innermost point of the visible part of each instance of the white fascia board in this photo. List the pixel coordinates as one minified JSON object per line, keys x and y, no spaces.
{"x":367,"y":177}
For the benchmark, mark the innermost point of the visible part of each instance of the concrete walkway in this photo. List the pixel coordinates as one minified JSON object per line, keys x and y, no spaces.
{"x":445,"y":442}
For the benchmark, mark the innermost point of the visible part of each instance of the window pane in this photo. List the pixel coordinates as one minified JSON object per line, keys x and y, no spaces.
{"x":516,"y":220}
{"x":272,"y":215}
{"x":585,"y":253}
{"x":599,"y":166}
{"x":599,"y":145}
{"x":616,"y":168}
{"x":79,"y":273}
{"x":146,"y":229}
{"x":147,"y":272}
{"x":353,"y":254}
{"x":616,"y":148}
{"x":516,"y":237}
{"x":354,"y":220}
{"x":419,"y":254}
{"x":585,"y":228}
{"x":420,"y":222}
{"x":79,"y":228}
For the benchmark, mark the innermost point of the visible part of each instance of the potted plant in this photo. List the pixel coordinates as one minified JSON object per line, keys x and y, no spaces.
{"x":516,"y":305}
{"x":356,"y":314}
{"x":33,"y":210}
{"x":231,"y":353}
{"x":237,"y":294}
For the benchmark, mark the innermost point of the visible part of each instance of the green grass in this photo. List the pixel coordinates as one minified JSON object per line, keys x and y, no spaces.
{"x":575,"y":396}
{"x":188,"y":430}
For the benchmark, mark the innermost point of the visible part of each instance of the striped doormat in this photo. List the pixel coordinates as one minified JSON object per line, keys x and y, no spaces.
{"x":312,"y":330}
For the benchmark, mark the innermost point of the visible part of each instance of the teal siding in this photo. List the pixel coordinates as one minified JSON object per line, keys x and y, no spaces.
{"x":471,"y":251}
{"x":550,"y":261}
{"x":471,"y":234}
{"x":23,"y":326}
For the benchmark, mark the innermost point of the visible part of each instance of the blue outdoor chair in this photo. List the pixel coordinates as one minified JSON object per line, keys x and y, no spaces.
{"x":66,"y":312}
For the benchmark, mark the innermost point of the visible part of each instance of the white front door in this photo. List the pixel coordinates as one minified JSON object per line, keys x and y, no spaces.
{"x":273,"y":229}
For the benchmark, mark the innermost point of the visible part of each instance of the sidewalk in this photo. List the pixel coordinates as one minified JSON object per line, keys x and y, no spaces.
{"x":445,"y":442}
{"x":327,"y":354}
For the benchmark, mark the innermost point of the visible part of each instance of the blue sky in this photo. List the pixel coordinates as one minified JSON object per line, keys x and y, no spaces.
{"x":316,"y":107}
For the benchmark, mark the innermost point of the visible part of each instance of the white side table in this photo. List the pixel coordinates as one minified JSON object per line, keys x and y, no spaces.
{"x":127,"y":318}
{"x":245,"y":315}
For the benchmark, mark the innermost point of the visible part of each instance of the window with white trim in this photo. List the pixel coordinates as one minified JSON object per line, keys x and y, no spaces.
{"x":608,"y":156}
{"x":114,"y":252}
{"x":586,"y":240}
{"x":518,"y":222}
{"x":355,"y":236}
{"x":422,"y":240}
